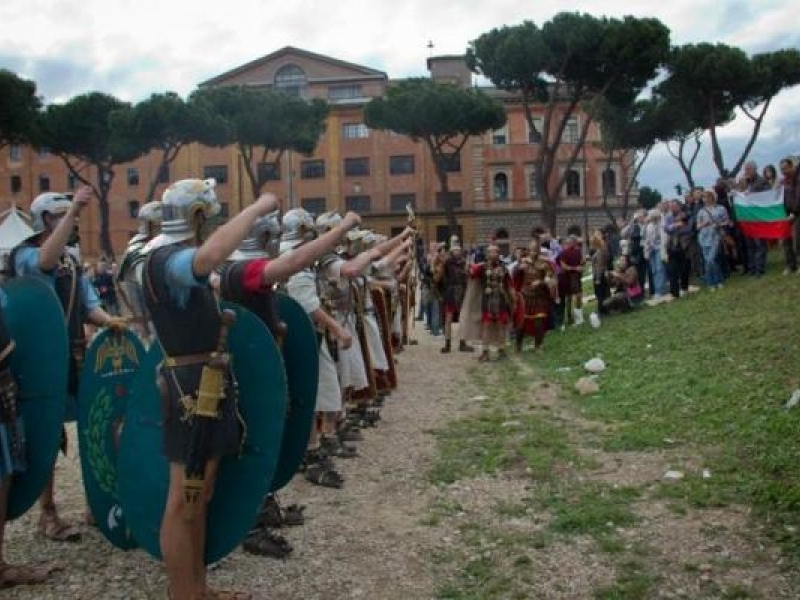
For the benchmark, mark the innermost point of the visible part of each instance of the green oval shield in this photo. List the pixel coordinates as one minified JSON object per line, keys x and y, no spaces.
{"x":39,"y":362}
{"x":301,"y":358}
{"x":111,"y":365}
{"x":243,"y":480}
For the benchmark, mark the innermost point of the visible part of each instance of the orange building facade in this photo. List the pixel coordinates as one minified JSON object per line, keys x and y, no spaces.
{"x":354,"y":168}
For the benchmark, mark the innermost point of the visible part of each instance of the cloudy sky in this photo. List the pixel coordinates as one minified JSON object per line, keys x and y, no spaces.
{"x":132,"y":49}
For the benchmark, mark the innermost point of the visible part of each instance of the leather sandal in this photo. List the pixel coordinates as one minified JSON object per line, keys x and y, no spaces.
{"x":264,"y":542}
{"x":53,"y":528}
{"x":14,"y":575}
{"x":319,"y":475}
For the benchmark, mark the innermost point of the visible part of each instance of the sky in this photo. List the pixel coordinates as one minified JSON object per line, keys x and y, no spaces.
{"x":134,"y":49}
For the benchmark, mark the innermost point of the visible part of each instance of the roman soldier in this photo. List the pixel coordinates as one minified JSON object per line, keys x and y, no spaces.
{"x":149,"y":217}
{"x":191,"y":329}
{"x":452,"y":276}
{"x":47,"y":256}
{"x":536,"y":289}
{"x":248,"y":279}
{"x":497,"y":300}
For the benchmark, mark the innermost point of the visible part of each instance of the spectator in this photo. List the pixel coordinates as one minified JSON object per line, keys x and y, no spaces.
{"x":792,"y":206}
{"x":770,"y":176}
{"x":676,"y":226}
{"x":600,"y":265}
{"x":711,"y":223}
{"x":627,"y":291}
{"x":570,"y":287}
{"x":657,"y":281}
{"x":103,"y":282}
{"x":756,"y":248}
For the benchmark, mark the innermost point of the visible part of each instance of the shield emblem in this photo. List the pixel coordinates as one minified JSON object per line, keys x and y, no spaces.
{"x":301,"y":359}
{"x":243,"y":480}
{"x":109,"y":369}
{"x":35,"y":321}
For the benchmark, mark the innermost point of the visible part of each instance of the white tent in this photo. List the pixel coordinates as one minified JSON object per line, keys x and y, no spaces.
{"x":13,"y":230}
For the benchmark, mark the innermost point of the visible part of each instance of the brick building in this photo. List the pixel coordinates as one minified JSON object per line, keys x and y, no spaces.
{"x":354,"y":168}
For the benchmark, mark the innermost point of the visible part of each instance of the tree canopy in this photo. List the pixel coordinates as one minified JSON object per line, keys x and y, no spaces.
{"x":19,"y":105}
{"x":166,"y":123}
{"x":82,"y":132}
{"x":442,"y":116}
{"x":571,"y":60}
{"x":263,"y":121}
{"x":720,"y":79}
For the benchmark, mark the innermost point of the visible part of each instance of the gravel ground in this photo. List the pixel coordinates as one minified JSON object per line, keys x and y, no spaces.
{"x":367,"y":540}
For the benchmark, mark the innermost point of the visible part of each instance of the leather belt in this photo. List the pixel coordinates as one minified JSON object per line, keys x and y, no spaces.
{"x":188,"y":360}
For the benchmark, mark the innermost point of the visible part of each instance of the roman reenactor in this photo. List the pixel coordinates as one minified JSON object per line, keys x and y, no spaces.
{"x":452,"y":277}
{"x":497,"y":301}
{"x":192,"y":330}
{"x":248,"y":279}
{"x":47,"y":256}
{"x":127,"y":281}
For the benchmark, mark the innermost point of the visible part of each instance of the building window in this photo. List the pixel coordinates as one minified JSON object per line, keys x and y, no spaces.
{"x":72,"y":181}
{"x":359,"y":204}
{"x":609,"y":182}
{"x":16,"y":184}
{"x":133,"y":177}
{"x":316,"y":206}
{"x":163,"y":174}
{"x":354,"y":167}
{"x":15,"y":152}
{"x":44,"y":152}
{"x":573,"y":183}
{"x":571,"y":133}
{"x":291,"y":79}
{"x":218,"y":172}
{"x":500,"y":136}
{"x":453,"y":197}
{"x":354,"y":131}
{"x":500,"y":186}
{"x":535,"y":133}
{"x":224,"y":210}
{"x":398,"y":202}
{"x":452,"y":163}
{"x":133,"y":209}
{"x":344,"y":92}
{"x":534,"y":187}
{"x":312,"y":169}
{"x":269,"y":171}
{"x":44,"y":183}
{"x":501,"y":239}
{"x":395,"y":231}
{"x":401,"y":165}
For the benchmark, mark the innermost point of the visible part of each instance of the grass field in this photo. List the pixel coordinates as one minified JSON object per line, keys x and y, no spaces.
{"x":703,"y":381}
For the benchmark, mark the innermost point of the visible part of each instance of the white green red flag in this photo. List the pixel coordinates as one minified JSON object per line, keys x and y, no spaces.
{"x":762,"y":215}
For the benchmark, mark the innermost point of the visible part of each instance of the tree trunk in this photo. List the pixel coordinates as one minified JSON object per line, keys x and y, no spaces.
{"x":105,"y":176}
{"x":447,"y":202}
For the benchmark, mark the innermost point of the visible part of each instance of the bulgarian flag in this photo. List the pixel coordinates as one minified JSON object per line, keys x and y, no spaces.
{"x":761,"y":214}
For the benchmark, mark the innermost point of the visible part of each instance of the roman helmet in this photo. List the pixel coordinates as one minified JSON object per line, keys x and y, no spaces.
{"x":262,"y":240}
{"x":297,"y":227}
{"x":149,"y":217}
{"x":355,"y":239}
{"x":327,"y":221}
{"x":48,"y":203}
{"x":181,"y":204}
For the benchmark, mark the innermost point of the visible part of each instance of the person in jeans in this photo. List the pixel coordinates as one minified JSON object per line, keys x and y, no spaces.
{"x":711,"y":222}
{"x":657,"y":279}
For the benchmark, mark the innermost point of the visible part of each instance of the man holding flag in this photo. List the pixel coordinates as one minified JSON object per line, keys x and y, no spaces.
{"x":758,"y":217}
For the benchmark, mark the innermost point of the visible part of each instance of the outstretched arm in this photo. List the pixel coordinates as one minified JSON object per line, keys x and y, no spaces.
{"x":353,"y":267}
{"x":288,"y":264}
{"x":53,"y":247}
{"x":227,"y":238}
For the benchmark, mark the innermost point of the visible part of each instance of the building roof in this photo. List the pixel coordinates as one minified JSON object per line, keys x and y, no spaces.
{"x":291,"y":50}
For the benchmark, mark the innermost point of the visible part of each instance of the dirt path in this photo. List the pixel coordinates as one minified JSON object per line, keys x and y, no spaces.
{"x":367,"y":540}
